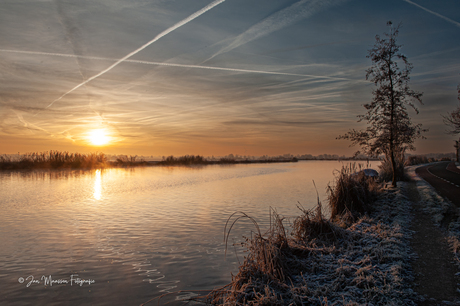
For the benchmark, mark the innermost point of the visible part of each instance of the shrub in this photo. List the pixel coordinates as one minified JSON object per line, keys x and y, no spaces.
{"x":183,"y":160}
{"x":265,"y":263}
{"x":312,"y":225}
{"x":386,"y":172}
{"x":352,"y":193}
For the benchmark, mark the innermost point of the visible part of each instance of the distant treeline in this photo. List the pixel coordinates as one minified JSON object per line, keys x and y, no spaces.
{"x":422,"y":159}
{"x":200,"y":160}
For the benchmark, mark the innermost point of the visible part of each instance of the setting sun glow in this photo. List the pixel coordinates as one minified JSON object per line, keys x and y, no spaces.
{"x":98,"y":137}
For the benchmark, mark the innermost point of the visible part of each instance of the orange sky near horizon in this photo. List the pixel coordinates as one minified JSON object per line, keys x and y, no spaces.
{"x":213,"y":77}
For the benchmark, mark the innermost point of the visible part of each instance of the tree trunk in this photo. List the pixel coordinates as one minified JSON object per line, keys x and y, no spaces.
{"x":393,"y":163}
{"x":393,"y":167}
{"x":457,"y":147}
{"x":392,"y":114}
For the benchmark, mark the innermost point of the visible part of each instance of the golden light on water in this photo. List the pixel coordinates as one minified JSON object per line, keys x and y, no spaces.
{"x":99,"y":137}
{"x":97,"y":185}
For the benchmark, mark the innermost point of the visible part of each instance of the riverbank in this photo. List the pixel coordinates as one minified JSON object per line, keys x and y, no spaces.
{"x":66,"y":160}
{"x":381,"y":258}
{"x":358,"y":263}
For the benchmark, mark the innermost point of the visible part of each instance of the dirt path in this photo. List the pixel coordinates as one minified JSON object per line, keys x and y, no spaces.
{"x":434,"y":269}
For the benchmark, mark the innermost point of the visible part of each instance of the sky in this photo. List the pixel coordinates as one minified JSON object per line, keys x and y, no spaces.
{"x":248,"y":77}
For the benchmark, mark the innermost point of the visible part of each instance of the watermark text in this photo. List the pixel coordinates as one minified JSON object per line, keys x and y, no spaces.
{"x":48,"y":280}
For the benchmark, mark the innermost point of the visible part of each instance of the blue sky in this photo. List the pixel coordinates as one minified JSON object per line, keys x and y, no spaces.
{"x":177,"y":77}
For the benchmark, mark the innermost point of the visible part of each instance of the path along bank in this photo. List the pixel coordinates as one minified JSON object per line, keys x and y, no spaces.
{"x":436,"y":233}
{"x":404,"y":252}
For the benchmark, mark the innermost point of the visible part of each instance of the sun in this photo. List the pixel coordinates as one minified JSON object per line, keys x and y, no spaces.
{"x":99,"y":137}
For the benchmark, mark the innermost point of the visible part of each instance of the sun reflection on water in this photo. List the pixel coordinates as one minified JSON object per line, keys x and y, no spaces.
{"x":97,"y":185}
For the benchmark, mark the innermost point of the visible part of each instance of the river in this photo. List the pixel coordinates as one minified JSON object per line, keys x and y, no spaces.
{"x":124,"y":236}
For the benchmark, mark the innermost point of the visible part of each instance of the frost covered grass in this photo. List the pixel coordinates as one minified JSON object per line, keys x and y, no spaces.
{"x":364,"y":261}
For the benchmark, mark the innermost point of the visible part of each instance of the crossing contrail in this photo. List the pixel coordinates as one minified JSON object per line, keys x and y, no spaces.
{"x":238,"y":70}
{"x":281,"y":19}
{"x":180,"y":65}
{"x":434,"y":13}
{"x":165,"y":32}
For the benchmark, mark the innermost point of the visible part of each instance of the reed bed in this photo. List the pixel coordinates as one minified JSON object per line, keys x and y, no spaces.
{"x":54,"y":160}
{"x":352,"y":193}
{"x":66,"y":160}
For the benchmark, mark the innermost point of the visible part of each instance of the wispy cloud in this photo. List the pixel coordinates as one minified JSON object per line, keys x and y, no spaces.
{"x":281,"y":19}
{"x":436,"y":53}
{"x":182,"y":66}
{"x":434,"y":13}
{"x":294,"y":90}
{"x":165,"y":32}
{"x":279,"y":122}
{"x":29,"y":125}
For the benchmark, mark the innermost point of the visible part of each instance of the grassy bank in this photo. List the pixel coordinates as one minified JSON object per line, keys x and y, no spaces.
{"x":358,"y":256}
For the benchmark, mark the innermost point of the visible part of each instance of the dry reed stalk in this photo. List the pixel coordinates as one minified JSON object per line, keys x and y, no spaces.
{"x":320,"y":263}
{"x":352,"y":193}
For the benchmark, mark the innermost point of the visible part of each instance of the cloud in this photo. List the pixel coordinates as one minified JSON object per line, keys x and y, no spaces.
{"x":308,"y":47}
{"x":29,"y":125}
{"x":280,"y":122}
{"x":73,"y":35}
{"x":281,"y":19}
{"x":437,"y":53}
{"x":180,"y":65}
{"x":434,"y":13}
{"x":165,"y":32}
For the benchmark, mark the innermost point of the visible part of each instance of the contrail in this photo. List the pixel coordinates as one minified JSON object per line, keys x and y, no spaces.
{"x":237,"y":70}
{"x":165,"y":32}
{"x":434,"y":13}
{"x":179,"y":65}
{"x":283,"y":18}
{"x":29,"y":125}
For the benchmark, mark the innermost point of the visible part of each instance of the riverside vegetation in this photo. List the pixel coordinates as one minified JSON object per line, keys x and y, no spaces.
{"x":53,"y":160}
{"x":358,"y":255}
{"x":65,"y":160}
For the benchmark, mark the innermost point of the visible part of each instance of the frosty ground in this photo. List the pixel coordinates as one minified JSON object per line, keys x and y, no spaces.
{"x":365,"y":260}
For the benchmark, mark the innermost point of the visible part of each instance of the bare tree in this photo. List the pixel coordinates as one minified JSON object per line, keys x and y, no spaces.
{"x":390,"y":130}
{"x":453,"y":121}
{"x":453,"y":118}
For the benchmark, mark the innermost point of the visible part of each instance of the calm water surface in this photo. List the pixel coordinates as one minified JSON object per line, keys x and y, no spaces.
{"x":137,"y":233}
